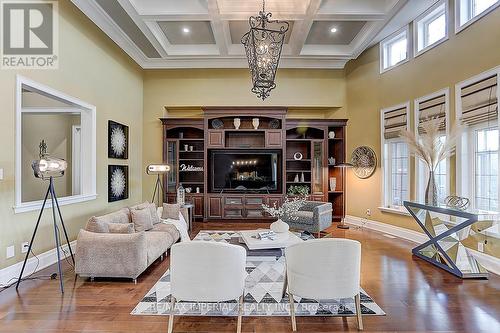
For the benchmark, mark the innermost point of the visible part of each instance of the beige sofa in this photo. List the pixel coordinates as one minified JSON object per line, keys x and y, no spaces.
{"x":114,"y":246}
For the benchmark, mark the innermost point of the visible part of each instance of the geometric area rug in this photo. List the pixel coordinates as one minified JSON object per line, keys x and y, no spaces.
{"x":263,"y":292}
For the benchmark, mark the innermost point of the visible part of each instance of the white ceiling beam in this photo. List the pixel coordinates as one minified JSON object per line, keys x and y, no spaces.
{"x":100,"y":18}
{"x":301,"y":28}
{"x":177,"y":17}
{"x":217,"y":27}
{"x":350,"y":17}
{"x":131,"y":11}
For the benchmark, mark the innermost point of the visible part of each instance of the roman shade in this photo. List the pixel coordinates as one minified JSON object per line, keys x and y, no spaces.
{"x":479,"y":102}
{"x":432,"y":108}
{"x":395,"y":121}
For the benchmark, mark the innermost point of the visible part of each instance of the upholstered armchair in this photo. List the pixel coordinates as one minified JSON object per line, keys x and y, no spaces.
{"x":313,"y":216}
{"x":328,"y":268}
{"x":207,"y":272}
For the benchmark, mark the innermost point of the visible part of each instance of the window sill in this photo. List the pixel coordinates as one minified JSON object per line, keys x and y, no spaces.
{"x":37,"y":205}
{"x":401,"y":211}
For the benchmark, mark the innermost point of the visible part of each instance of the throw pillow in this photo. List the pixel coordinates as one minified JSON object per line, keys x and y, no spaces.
{"x":170,"y":211}
{"x":141,"y":218}
{"x":96,"y":224}
{"x":121,"y":228}
{"x":154,"y":214}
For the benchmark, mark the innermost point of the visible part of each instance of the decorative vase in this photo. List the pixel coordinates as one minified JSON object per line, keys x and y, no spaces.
{"x":181,"y":195}
{"x":279,"y":226}
{"x":333,"y":183}
{"x":237,"y":123}
{"x":296,"y":179}
{"x":431,"y":191}
{"x":302,"y":178}
{"x":255,"y":123}
{"x":331,"y":134}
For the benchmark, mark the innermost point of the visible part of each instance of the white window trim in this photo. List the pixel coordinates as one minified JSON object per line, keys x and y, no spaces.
{"x":384,"y":204}
{"x":466,"y":188}
{"x":91,"y":194}
{"x":385,"y":40}
{"x":416,"y":113}
{"x":416,"y":52}
{"x":458,"y":27}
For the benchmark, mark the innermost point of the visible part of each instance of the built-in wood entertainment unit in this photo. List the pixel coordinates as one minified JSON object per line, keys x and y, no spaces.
{"x":266,"y":155}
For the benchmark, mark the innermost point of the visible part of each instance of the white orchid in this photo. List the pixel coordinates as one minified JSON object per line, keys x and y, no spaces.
{"x":289,"y":208}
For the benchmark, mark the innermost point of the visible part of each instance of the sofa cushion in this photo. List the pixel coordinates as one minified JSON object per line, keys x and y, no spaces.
{"x":168,"y":228}
{"x":170,"y":211}
{"x":157,"y":243}
{"x":121,"y":228}
{"x":141,"y":218}
{"x":100,"y":223}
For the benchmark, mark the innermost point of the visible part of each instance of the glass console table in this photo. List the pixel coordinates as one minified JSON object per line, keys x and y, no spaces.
{"x":453,"y":234}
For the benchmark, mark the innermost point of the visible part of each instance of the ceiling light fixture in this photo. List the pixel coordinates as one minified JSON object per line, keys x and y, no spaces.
{"x":333,"y":30}
{"x":186,"y":30}
{"x":263,"y":44}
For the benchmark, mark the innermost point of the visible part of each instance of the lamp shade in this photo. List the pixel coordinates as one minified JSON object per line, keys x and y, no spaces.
{"x":47,"y":167}
{"x":155,"y":169}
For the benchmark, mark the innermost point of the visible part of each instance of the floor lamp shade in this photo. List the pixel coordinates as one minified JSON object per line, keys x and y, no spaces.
{"x":156,"y":169}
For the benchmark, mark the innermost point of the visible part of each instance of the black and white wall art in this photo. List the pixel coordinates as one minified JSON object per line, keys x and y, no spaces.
{"x":117,"y":140}
{"x":117,"y":182}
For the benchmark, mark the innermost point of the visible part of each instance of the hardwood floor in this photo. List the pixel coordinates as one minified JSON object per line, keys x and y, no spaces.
{"x":416,"y":296}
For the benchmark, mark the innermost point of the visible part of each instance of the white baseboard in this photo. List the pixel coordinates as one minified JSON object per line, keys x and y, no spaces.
{"x":491,"y":263}
{"x":11,"y":273}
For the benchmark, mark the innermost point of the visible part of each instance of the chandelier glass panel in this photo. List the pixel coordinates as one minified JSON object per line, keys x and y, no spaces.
{"x":263,"y":44}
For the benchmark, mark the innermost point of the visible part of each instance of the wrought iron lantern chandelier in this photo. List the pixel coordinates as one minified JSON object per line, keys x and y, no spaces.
{"x":263,"y":44}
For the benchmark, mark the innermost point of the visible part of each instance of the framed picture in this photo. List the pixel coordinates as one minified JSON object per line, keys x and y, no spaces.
{"x":117,"y":182}
{"x":117,"y":140}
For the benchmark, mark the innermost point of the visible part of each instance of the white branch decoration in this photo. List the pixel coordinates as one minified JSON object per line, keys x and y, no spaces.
{"x":289,"y":208}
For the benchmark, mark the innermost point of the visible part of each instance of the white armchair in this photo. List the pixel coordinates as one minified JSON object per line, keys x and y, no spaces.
{"x":207,"y":272}
{"x":324,"y":269}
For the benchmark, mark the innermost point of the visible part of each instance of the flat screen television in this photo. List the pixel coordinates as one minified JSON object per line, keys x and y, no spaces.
{"x":245,"y":171}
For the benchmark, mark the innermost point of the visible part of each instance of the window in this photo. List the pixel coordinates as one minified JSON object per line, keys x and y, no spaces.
{"x":469,"y":11}
{"x":435,"y":105}
{"x":68,"y":128}
{"x":477,"y":150}
{"x":397,"y":155}
{"x":486,"y":168}
{"x":430,"y":28}
{"x":395,"y":161}
{"x":394,"y":50}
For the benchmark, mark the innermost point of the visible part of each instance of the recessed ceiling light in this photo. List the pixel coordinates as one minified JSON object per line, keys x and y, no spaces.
{"x":332,"y":30}
{"x":186,"y":30}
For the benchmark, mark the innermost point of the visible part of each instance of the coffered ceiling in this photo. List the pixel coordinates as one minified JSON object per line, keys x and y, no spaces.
{"x":207,"y":33}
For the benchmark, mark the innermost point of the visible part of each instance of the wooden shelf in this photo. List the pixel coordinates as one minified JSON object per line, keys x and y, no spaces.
{"x":191,"y":151}
{"x":191,"y":159}
{"x":191,"y":139}
{"x":335,"y":192}
{"x":302,"y":160}
{"x":295,"y":171}
{"x":292,"y":182}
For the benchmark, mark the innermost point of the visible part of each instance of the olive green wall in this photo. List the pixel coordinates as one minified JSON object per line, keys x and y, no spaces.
{"x":93,"y":69}
{"x":182,"y":93}
{"x":472,"y":51}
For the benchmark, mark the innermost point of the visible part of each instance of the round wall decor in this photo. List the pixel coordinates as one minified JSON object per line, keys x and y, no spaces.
{"x":364,"y":161}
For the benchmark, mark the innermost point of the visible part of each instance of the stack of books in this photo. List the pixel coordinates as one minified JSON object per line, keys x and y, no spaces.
{"x":267,"y":235}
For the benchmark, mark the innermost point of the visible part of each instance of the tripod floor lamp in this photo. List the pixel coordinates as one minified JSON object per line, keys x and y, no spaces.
{"x":47,"y":168}
{"x":157,"y":169}
{"x":344,"y":166}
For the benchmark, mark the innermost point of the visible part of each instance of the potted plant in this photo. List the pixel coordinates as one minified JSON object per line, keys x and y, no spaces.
{"x":288,"y":208}
{"x":300,"y":190}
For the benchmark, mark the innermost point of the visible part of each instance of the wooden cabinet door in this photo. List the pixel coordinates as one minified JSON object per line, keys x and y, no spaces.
{"x":274,"y":139}
{"x":198,"y":206}
{"x":320,"y":198}
{"x":215,"y":207}
{"x":215,"y":139}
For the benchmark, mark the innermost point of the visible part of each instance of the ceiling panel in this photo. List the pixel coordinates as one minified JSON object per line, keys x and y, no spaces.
{"x":345,"y":31}
{"x":229,"y":7}
{"x":207,"y":33}
{"x":123,"y":20}
{"x":188,"y":32}
{"x":239,"y":28}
